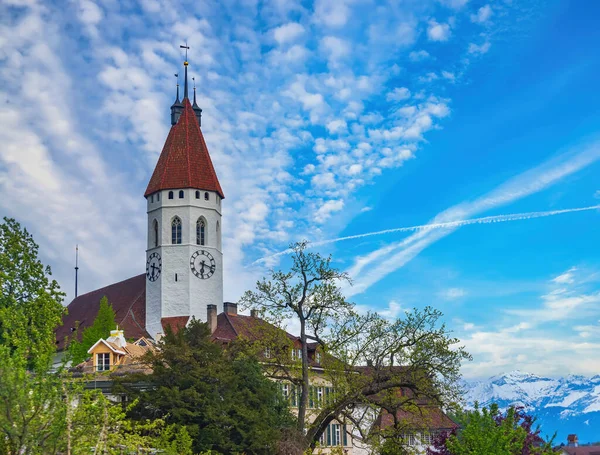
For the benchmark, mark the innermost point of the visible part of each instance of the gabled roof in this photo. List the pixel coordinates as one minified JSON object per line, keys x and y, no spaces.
{"x":109,"y":345}
{"x":184,"y":161}
{"x":128,"y":299}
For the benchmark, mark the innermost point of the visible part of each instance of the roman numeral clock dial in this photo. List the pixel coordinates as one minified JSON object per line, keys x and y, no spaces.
{"x":202,"y":264}
{"x":153,"y":267}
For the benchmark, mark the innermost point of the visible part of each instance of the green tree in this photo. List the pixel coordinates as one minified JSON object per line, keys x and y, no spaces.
{"x":30,"y":301}
{"x":414,"y":354}
{"x":222,"y":399}
{"x":32,"y":411}
{"x":492,"y":432}
{"x":100,"y":328}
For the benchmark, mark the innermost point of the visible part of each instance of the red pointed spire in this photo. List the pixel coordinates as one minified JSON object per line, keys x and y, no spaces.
{"x":184,"y":161}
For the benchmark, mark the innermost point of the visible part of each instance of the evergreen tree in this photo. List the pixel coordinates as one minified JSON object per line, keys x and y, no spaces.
{"x":100,"y":328}
{"x":222,"y":399}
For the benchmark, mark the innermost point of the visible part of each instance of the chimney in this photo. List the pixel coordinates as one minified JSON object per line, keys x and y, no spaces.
{"x":211,"y":316}
{"x":230,"y":308}
{"x":117,"y":337}
{"x":572,"y":440}
{"x":254,"y":313}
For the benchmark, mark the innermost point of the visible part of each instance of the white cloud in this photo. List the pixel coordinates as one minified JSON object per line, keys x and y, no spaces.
{"x":449,"y":75}
{"x":479,"y":49}
{"x":597,"y":194}
{"x":437,"y":31}
{"x":326,"y":180}
{"x":331,"y":14}
{"x":452,"y":293}
{"x":398,"y":94}
{"x":327,"y":209}
{"x":337,"y":126}
{"x":288,"y":32}
{"x":483,"y":15}
{"x":418,"y":56}
{"x":335,"y":48}
{"x":567,"y":277}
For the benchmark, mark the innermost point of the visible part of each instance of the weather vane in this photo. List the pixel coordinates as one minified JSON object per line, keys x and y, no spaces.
{"x":186,"y":47}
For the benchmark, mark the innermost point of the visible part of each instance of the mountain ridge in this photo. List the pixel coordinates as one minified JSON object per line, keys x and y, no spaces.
{"x":565,"y":405}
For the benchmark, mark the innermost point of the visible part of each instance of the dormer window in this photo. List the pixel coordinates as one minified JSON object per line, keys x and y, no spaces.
{"x":103,"y":361}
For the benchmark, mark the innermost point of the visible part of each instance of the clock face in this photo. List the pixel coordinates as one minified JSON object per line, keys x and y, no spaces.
{"x":153,"y":267}
{"x":202,"y":264}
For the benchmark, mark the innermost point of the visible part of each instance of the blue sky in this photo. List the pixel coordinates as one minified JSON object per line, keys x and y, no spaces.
{"x":324,"y":120}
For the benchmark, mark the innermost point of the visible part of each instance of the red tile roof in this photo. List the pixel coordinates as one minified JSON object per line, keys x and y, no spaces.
{"x":425,"y":418}
{"x":184,"y":161}
{"x":582,"y":450}
{"x":174,"y":322}
{"x":128,"y":299}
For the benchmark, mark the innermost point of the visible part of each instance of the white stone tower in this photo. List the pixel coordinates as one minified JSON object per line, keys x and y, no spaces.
{"x":184,"y":262}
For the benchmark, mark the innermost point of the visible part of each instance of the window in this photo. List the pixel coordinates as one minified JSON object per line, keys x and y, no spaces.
{"x":334,"y":435}
{"x":318,"y":357}
{"x":206,"y":196}
{"x":157,"y":197}
{"x":180,"y":194}
{"x":103,"y":361}
{"x":285,"y":389}
{"x":176,"y":231}
{"x":200,"y":232}
{"x":296,"y":354}
{"x":267,"y":353}
{"x":426,"y":439}
{"x":320,"y":395}
{"x":410,"y":439}
{"x":155,"y":228}
{"x":170,"y":195}
{"x":152,"y":198}
{"x":197,"y":194}
{"x":218,"y":235}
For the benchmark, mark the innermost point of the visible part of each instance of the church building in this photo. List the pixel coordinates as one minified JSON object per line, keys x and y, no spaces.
{"x":184,"y":259}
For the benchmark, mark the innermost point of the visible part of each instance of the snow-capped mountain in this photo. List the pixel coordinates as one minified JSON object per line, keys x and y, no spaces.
{"x":562,"y":405}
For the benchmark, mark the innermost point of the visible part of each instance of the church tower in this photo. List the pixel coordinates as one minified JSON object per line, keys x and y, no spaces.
{"x":184,"y":262}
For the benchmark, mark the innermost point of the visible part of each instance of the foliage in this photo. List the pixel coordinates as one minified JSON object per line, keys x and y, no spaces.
{"x":221,"y":398}
{"x":32,"y":411}
{"x":30,"y":301}
{"x":104,"y":427}
{"x":100,"y":328}
{"x":413,"y":354}
{"x":493,"y":432}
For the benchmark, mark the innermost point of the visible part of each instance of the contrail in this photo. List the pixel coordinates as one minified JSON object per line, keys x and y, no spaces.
{"x":450,"y":224}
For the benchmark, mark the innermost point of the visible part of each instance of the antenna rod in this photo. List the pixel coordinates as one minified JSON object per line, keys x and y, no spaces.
{"x":76,"y":267}
{"x":185,"y":64}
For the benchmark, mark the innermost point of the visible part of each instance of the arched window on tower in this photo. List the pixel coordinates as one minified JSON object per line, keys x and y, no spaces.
{"x":218,"y":235}
{"x":197,"y":194}
{"x":206,"y":196}
{"x":200,"y":232}
{"x":180,"y":194}
{"x":170,"y":195}
{"x":155,"y":230}
{"x":176,"y":231}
